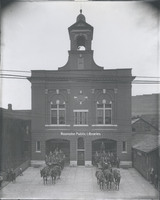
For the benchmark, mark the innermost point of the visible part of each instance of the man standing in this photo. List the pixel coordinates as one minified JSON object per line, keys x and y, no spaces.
{"x":1,"y":180}
{"x":20,"y":172}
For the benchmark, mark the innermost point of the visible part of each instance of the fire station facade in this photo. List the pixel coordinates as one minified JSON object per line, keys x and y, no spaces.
{"x":81,"y":106}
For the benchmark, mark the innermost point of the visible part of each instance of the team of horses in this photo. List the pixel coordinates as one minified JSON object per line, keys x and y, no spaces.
{"x":108,"y":178}
{"x":55,"y":162}
{"x":53,"y":171}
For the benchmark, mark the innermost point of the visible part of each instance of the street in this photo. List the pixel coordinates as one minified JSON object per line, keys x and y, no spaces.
{"x":78,"y":183}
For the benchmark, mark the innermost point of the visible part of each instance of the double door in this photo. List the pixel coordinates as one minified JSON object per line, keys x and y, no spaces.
{"x":80,"y":158}
{"x":80,"y":152}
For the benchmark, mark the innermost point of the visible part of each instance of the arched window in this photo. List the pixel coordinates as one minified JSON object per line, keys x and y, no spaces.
{"x":80,"y":143}
{"x":58,"y":112}
{"x":81,"y":43}
{"x":104,"y":112}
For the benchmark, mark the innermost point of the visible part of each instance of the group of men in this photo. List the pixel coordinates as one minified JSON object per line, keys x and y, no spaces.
{"x":55,"y":157}
{"x":106,"y":158}
{"x":11,"y":175}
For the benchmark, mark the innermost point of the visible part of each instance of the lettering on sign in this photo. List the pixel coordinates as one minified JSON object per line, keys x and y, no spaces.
{"x":81,"y":134}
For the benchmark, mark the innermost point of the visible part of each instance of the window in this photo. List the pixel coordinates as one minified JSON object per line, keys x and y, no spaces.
{"x":81,"y":43}
{"x":104,"y":112}
{"x":58,"y":112}
{"x":80,"y":117}
{"x":38,"y":146}
{"x":124,"y":146}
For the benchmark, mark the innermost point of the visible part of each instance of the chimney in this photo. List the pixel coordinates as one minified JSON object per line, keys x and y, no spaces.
{"x":10,"y":107}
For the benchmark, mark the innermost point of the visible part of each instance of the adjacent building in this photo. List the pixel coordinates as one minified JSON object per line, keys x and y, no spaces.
{"x":141,"y":125}
{"x":81,"y":105}
{"x":147,"y":104}
{"x":145,"y":154}
{"x":15,"y":135}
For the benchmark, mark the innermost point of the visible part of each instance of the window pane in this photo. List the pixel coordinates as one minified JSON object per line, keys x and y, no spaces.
{"x":38,"y":146}
{"x":80,"y":118}
{"x":53,"y":106}
{"x":75,"y":118}
{"x":100,"y":116}
{"x":99,"y":105}
{"x":100,"y":113}
{"x":108,"y":105}
{"x":100,"y":120}
{"x":107,"y":116}
{"x":62,"y":117}
{"x":124,"y":146}
{"x":53,"y":117}
{"x":61,"y":105}
{"x":85,"y":118}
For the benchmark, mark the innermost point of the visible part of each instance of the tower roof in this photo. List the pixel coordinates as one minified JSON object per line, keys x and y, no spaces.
{"x":81,"y":17}
{"x":80,"y":23}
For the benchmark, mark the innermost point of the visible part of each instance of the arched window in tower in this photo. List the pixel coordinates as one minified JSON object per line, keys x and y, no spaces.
{"x":81,"y":43}
{"x":58,"y":112}
{"x":104,"y":112}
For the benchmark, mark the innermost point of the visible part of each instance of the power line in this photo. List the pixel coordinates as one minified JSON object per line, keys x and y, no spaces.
{"x":12,"y":78}
{"x":15,"y":76}
{"x":12,"y":75}
{"x":15,"y":71}
{"x":117,"y":82}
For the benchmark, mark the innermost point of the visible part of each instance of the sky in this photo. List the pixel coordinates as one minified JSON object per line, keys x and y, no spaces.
{"x":34,"y":36}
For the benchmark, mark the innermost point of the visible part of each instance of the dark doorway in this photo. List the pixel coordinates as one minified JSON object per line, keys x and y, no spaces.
{"x":64,"y":145}
{"x":104,"y":145}
{"x":80,"y":151}
{"x":80,"y":158}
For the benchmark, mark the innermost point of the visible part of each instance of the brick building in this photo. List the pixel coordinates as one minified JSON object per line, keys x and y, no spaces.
{"x":15,"y":135}
{"x":81,"y":106}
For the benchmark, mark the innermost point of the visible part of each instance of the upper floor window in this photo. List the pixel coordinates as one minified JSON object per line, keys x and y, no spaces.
{"x":80,"y":117}
{"x":104,"y":112}
{"x":38,"y":146}
{"x":124,"y":146}
{"x":58,"y":113}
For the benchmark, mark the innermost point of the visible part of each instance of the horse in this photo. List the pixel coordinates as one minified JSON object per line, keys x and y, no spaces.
{"x":109,"y":178}
{"x":100,"y":179}
{"x":45,"y":172}
{"x":58,"y":169}
{"x":117,"y":178}
{"x":53,"y":174}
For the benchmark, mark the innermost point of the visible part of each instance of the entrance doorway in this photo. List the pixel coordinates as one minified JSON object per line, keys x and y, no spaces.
{"x":58,"y":144}
{"x":80,"y":152}
{"x":100,"y":145}
{"x":80,"y":158}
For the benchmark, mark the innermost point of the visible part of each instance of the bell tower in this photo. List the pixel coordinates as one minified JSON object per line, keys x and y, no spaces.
{"x":81,"y":34}
{"x":80,"y":53}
